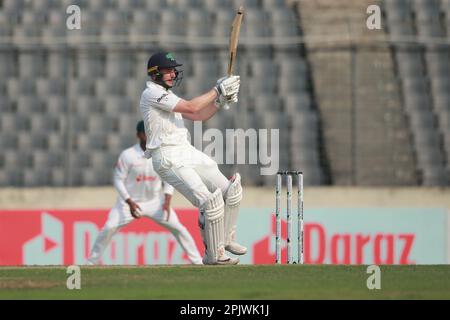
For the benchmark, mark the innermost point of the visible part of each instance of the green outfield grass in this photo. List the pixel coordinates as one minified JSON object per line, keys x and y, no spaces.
{"x":227,"y":282}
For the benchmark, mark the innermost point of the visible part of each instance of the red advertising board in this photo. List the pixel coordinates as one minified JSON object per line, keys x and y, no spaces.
{"x":66,"y":236}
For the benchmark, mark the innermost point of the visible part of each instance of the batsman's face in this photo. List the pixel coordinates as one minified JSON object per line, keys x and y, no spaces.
{"x":169,"y":74}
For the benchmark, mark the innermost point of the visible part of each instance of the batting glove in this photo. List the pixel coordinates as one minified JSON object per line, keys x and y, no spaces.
{"x":227,"y":86}
{"x":221,"y":101}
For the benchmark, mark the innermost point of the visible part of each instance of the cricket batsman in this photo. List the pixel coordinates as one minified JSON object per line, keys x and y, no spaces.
{"x":188,"y":170}
{"x":141,"y":194}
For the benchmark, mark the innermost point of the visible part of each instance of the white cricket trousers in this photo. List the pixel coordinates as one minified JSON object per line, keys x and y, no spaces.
{"x":120,"y":216}
{"x":191,"y":172}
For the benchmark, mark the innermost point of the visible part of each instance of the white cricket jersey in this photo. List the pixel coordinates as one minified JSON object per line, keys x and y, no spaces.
{"x":162,"y":125}
{"x":135,"y":178}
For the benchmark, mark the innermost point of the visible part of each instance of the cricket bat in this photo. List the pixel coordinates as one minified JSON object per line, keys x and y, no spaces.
{"x":234,"y":37}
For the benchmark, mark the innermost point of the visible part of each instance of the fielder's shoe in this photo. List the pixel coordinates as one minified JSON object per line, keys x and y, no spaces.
{"x":236,"y":248}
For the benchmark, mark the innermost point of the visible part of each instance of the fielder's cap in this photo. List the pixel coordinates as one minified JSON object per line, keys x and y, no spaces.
{"x":140,"y":127}
{"x":161,"y":60}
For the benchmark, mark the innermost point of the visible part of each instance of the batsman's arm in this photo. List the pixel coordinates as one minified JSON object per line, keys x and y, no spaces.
{"x":195,"y":105}
{"x":203,"y":114}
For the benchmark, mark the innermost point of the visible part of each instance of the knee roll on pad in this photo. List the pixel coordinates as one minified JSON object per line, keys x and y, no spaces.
{"x":234,"y":192}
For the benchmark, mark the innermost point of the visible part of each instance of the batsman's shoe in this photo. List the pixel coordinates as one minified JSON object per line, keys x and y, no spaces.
{"x":223,"y":260}
{"x":236,"y":248}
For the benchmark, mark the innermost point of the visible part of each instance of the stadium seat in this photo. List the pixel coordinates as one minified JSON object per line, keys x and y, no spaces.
{"x":223,"y":23}
{"x":54,"y":34}
{"x":256,"y":87}
{"x":56,"y":140}
{"x":414,"y":85}
{"x":414,"y":101}
{"x":266,"y":103}
{"x":42,"y":123}
{"x":58,"y":177}
{"x":205,"y":68}
{"x":101,"y":124}
{"x":15,"y":177}
{"x":5,"y":105}
{"x":32,"y":141}
{"x":430,"y":29}
{"x":126,"y":124}
{"x":426,"y":138}
{"x":114,"y":28}
{"x":119,"y":142}
{"x":57,"y":66}
{"x":440,"y":85}
{"x":296,"y":102}
{"x":426,"y":10}
{"x":13,"y":5}
{"x":7,"y":68}
{"x":42,"y":5}
{"x":9,"y":140}
{"x":78,"y":123}
{"x":80,"y":160}
{"x":256,"y":24}
{"x":12,"y":122}
{"x":410,"y":64}
{"x":44,"y":159}
{"x":109,"y":86}
{"x":31,"y":64}
{"x":5,"y":25}
{"x":398,"y":26}
{"x":429,"y":157}
{"x":100,"y":4}
{"x":29,"y":104}
{"x":131,"y":4}
{"x":17,"y":87}
{"x":217,"y":5}
{"x":292,"y":68}
{"x":438,"y":63}
{"x":48,"y":86}
{"x":118,"y":65}
{"x":86,"y":105}
{"x":420,"y":120}
{"x":82,"y":86}
{"x":173,"y":24}
{"x":102,"y":159}
{"x":134,"y":88}
{"x":116,"y":106}
{"x":435,"y":177}
{"x":156,"y":4}
{"x":442,"y":103}
{"x":89,"y":142}
{"x":198,"y":25}
{"x":3,"y":178}
{"x":269,"y":5}
{"x":55,"y":104}
{"x":17,"y":159}
{"x":80,"y":3}
{"x":141,"y":34}
{"x":89,"y":65}
{"x":288,"y":85}
{"x":187,"y":4}
{"x":96,"y":177}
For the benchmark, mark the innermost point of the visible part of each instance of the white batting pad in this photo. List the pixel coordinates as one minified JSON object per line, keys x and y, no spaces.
{"x":232,"y":202}
{"x":211,"y":219}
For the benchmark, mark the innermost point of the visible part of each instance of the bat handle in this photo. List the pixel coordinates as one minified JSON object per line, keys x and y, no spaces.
{"x":226,"y":106}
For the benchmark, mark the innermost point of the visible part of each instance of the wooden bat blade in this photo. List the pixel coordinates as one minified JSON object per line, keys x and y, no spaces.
{"x":235,"y":30}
